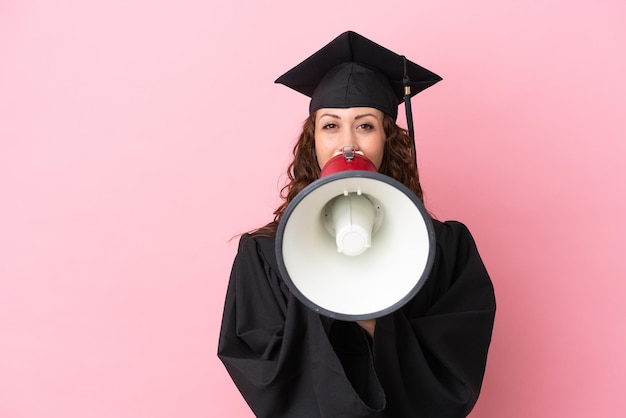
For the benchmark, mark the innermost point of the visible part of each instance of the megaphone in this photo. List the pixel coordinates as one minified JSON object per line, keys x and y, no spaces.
{"x":355,"y":244}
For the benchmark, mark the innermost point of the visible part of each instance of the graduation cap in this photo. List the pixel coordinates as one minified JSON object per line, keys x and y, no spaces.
{"x":352,"y":71}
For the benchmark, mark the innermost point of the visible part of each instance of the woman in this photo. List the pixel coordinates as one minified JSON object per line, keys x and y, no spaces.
{"x":426,"y":359}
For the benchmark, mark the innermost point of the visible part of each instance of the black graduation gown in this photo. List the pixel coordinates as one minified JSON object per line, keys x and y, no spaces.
{"x":426,"y":359}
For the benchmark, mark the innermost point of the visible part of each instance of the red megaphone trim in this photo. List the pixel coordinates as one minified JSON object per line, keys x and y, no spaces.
{"x":340,"y":163}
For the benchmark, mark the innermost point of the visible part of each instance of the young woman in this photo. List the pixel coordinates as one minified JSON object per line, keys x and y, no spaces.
{"x":425,"y":359}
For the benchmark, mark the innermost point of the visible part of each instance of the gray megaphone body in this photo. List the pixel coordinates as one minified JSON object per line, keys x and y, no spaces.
{"x":355,"y":244}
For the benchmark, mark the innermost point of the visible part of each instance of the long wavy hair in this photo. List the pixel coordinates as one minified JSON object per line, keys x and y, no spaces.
{"x":398,"y":163}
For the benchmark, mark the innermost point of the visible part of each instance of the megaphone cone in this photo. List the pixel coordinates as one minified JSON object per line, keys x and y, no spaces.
{"x":355,"y":244}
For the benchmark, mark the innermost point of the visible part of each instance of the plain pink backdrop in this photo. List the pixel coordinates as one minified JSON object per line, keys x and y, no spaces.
{"x":136,"y":138}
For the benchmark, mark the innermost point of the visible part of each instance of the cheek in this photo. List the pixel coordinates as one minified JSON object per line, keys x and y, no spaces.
{"x":324,"y":150}
{"x":319,"y":152}
{"x":378,"y":160}
{"x":375,"y":153}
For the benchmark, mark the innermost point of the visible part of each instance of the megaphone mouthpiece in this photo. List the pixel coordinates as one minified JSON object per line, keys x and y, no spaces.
{"x":352,"y":162}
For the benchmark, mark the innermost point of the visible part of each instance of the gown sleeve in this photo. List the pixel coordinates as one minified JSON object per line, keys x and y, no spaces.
{"x":278,"y":352}
{"x":425,"y":360}
{"x":430,"y":355}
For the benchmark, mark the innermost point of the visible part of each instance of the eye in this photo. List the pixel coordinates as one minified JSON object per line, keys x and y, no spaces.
{"x":366,"y":126}
{"x":329,"y":126}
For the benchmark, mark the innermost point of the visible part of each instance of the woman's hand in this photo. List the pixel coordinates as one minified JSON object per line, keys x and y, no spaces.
{"x":368,"y":325}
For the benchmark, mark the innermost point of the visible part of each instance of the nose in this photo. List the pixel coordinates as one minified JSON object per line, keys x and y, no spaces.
{"x":348,"y":140}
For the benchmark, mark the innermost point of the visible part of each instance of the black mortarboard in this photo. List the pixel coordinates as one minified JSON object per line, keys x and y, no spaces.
{"x":352,"y":71}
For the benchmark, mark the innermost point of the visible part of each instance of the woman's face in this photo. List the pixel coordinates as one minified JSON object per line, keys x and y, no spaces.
{"x":360,"y":127}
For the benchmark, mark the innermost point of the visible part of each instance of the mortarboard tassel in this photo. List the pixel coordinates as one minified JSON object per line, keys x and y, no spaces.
{"x":406,"y":81}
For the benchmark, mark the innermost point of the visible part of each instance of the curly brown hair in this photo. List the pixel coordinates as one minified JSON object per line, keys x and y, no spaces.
{"x":398,"y":163}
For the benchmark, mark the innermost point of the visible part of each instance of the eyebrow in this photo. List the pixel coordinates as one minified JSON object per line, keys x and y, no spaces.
{"x":332,"y":115}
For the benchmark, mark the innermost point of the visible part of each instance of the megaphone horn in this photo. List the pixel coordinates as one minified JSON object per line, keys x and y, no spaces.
{"x":354,"y":244}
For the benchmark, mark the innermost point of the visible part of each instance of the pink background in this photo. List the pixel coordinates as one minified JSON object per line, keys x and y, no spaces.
{"x":136,"y":138}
